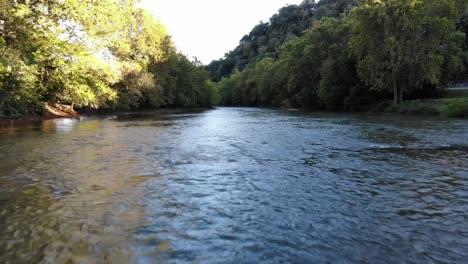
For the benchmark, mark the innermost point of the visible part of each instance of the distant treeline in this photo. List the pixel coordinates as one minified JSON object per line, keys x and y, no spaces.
{"x":347,"y":54}
{"x":92,"y":54}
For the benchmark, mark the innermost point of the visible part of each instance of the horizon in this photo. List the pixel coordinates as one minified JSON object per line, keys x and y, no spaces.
{"x":214,"y":40}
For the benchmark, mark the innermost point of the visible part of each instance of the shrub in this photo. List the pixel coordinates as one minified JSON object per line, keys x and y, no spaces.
{"x":457,"y":107}
{"x":427,"y":107}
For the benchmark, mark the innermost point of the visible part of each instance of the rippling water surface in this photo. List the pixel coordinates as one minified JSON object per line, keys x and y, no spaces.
{"x":235,"y":185}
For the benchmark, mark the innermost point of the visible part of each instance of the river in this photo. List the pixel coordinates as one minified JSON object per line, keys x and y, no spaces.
{"x":235,"y":185}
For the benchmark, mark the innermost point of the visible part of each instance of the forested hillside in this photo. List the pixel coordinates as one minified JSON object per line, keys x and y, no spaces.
{"x":333,"y":54}
{"x":267,"y":38}
{"x":92,"y":54}
{"x":349,"y":56}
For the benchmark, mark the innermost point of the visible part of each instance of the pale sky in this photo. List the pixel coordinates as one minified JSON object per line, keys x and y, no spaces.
{"x":208,"y":29}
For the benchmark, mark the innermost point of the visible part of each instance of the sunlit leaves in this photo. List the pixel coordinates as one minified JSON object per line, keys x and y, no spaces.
{"x":91,"y":54}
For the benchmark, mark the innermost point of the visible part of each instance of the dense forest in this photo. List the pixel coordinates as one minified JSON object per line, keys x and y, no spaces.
{"x":92,"y":54}
{"x":330,"y":54}
{"x":347,"y":54}
{"x":267,"y":38}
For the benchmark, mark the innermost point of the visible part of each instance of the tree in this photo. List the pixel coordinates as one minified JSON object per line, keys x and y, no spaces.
{"x":399,"y":43}
{"x":92,"y":54}
{"x":265,"y":39}
{"x":328,"y":46}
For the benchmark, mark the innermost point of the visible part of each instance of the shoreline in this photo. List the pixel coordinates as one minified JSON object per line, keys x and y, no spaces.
{"x":428,"y":107}
{"x":52,"y":111}
{"x":456,"y":107}
{"x":95,"y":113}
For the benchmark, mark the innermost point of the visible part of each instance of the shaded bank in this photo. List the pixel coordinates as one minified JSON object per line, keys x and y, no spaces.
{"x":447,"y":107}
{"x":64,"y":112}
{"x":47,"y":111}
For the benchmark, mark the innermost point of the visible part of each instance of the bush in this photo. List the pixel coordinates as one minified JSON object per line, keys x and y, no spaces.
{"x":426,"y":107}
{"x":18,"y":92}
{"x":457,"y":107}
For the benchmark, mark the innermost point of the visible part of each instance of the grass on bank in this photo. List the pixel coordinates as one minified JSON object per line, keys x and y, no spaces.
{"x":448,"y":107}
{"x":456,"y":93}
{"x":456,"y":107}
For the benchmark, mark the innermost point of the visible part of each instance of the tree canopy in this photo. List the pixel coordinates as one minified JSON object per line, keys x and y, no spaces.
{"x":267,"y":38}
{"x":400,"y":44}
{"x":333,"y":54}
{"x":91,"y":54}
{"x":351,"y":54}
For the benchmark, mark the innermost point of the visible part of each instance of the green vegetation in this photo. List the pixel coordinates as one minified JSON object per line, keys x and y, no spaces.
{"x":92,"y":54}
{"x":448,"y":107}
{"x":416,"y":107}
{"x":456,"y":93}
{"x":350,"y":55}
{"x":456,"y":107}
{"x":347,"y":55}
{"x":266,"y":39}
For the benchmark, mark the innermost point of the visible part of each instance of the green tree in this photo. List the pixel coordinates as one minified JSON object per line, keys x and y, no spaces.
{"x":399,"y":43}
{"x":329,"y":44}
{"x":92,"y":54}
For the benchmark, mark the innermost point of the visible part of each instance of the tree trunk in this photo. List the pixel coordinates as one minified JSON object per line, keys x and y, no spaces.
{"x":395,"y":89}
{"x":400,"y":95}
{"x":401,"y":91}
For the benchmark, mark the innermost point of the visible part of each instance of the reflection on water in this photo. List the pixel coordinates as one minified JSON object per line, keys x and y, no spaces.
{"x":64,"y":125}
{"x":237,"y":185}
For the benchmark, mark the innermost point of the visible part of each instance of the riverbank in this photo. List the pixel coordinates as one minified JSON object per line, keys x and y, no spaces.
{"x":58,"y":111}
{"x":447,"y":107}
{"x":456,"y":107}
{"x":49,"y":111}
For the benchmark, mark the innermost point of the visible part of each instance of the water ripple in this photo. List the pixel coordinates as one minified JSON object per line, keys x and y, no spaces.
{"x":235,"y":185}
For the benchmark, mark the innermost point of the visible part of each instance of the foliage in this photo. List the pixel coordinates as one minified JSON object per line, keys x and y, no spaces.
{"x":456,"y":107}
{"x":456,"y":93}
{"x":400,"y":44}
{"x":181,"y":83}
{"x":18,"y":91}
{"x":423,"y":107}
{"x":266,"y":39}
{"x":91,"y":54}
{"x":449,"y":107}
{"x":333,"y":55}
{"x":351,"y":57}
{"x":313,"y":71}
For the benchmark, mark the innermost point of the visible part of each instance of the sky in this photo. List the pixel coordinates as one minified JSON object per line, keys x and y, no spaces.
{"x":208,"y":29}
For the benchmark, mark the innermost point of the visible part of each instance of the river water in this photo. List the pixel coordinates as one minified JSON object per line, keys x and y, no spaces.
{"x":235,"y":185}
